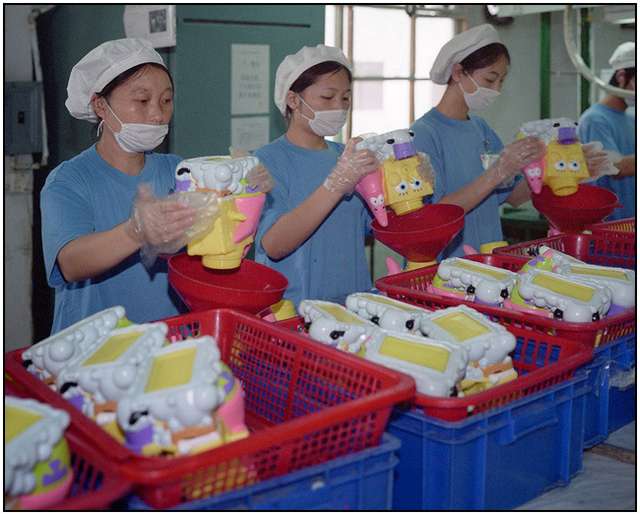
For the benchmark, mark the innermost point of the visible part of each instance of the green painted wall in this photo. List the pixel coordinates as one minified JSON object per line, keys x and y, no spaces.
{"x":200,"y":64}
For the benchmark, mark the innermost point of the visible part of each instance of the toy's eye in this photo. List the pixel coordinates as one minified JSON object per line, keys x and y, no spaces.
{"x":335,"y":335}
{"x":535,"y":172}
{"x":137,"y":415}
{"x":574,"y":165}
{"x":560,"y":165}
{"x":402,"y":187}
{"x":416,"y":184}
{"x":375,"y":319}
{"x":411,"y":133}
{"x":391,"y":141}
{"x":595,"y":317}
{"x":182,"y":171}
{"x":409,"y":324}
{"x":375,"y":201}
{"x":556,"y":124}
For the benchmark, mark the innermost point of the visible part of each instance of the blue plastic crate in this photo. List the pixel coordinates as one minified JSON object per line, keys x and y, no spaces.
{"x":360,"y":481}
{"x":494,"y":460}
{"x":611,"y":402}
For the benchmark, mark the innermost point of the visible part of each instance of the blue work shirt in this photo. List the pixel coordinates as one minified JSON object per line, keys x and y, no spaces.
{"x":86,"y":195}
{"x":454,"y":148}
{"x":331,"y":263}
{"x":616,"y":130}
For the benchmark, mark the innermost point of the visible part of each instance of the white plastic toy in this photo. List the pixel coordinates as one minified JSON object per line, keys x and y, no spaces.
{"x":560,"y":297}
{"x":336,"y":326}
{"x":387,"y":313}
{"x":436,"y":366}
{"x":223,"y":174}
{"x":488,"y":344}
{"x":186,"y":402}
{"x":95,"y":380}
{"x":473,"y":281}
{"x":37,"y":462}
{"x":48,"y":357}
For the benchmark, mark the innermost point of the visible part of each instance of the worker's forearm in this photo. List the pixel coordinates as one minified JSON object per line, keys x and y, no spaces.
{"x":520,"y":194}
{"x":469,"y":196}
{"x":293,"y":228}
{"x":627,"y":167}
{"x":91,"y":255}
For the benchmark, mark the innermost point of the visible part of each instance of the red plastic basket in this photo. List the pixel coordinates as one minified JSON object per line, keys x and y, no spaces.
{"x":541,"y":361}
{"x":97,"y":481}
{"x":412,"y":286}
{"x":624,"y":228}
{"x":305,"y":404}
{"x":595,"y":249}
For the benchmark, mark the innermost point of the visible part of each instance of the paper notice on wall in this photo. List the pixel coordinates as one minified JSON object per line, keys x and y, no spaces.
{"x":249,"y":79}
{"x":249,"y":133}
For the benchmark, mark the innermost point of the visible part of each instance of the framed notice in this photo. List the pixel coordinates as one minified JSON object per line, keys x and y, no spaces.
{"x":249,"y":79}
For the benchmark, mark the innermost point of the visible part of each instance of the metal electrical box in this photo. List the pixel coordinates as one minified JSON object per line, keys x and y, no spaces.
{"x":22,"y":117}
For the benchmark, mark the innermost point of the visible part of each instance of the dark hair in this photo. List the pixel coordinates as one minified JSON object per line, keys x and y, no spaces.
{"x":310,"y":75}
{"x":485,"y":56}
{"x":629,"y":73}
{"x":126,"y":75}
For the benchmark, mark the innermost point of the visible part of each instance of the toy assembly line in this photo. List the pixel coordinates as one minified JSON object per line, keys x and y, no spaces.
{"x":457,"y":373}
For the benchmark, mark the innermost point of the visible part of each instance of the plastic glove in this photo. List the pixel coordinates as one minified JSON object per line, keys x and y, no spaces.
{"x":426,"y":170}
{"x":165,"y":225}
{"x":259,"y":179}
{"x":515,"y":156}
{"x":599,"y":161}
{"x":352,"y":166}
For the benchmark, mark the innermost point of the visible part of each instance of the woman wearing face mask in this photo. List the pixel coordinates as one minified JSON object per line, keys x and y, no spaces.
{"x":94,"y":217}
{"x":313,"y":227}
{"x":473,"y":168}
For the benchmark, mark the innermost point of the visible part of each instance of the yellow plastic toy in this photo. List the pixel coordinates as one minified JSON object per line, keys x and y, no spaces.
{"x":565,"y":167}
{"x":404,"y":188}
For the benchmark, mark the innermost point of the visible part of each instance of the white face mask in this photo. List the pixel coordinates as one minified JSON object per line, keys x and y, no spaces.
{"x":137,"y":137}
{"x":325,"y":123}
{"x":481,"y":98}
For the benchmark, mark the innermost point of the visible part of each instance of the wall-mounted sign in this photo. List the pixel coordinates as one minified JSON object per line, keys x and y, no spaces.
{"x":249,"y":79}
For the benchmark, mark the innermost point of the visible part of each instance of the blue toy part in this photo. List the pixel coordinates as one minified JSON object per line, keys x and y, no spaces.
{"x":387,"y":313}
{"x":48,"y":357}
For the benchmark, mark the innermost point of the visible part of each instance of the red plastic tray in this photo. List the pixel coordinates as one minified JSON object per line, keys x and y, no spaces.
{"x":624,"y":228}
{"x":304,"y":404}
{"x":595,"y":249}
{"x":541,"y":361}
{"x":97,"y":481}
{"x":412,"y":286}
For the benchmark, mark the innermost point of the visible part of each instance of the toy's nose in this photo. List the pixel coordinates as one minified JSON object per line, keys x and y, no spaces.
{"x":404,"y":150}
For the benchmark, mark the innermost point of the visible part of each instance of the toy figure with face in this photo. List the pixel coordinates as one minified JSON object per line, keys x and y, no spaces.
{"x":404,"y":187}
{"x":565,"y":167}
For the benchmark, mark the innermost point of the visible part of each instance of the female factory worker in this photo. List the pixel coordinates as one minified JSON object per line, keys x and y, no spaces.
{"x":312,"y":229}
{"x":608,"y":123}
{"x":93,"y":224}
{"x":473,"y":65}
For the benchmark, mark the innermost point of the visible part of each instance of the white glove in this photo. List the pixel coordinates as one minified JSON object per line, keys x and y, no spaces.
{"x":515,"y":156}
{"x":600,"y":162}
{"x":352,"y":166}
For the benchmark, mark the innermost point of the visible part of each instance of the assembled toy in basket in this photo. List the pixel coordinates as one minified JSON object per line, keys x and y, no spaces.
{"x":404,"y":177}
{"x":37,"y":462}
{"x":388,"y":313}
{"x":241,"y":183}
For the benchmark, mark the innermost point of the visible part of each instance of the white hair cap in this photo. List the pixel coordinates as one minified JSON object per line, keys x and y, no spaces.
{"x":624,"y":56}
{"x":459,"y":47}
{"x":99,"y":67}
{"x":294,"y":65}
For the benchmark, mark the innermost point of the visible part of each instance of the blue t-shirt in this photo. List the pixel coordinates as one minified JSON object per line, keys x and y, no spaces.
{"x":616,"y":130}
{"x":86,"y":195}
{"x":331,"y":263}
{"x":454,"y":148}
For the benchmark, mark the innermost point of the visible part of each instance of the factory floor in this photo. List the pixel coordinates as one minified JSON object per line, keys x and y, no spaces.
{"x":607,"y":481}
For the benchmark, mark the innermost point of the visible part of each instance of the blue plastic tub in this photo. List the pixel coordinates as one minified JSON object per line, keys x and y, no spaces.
{"x":611,"y":402}
{"x":494,"y":460}
{"x":360,"y":481}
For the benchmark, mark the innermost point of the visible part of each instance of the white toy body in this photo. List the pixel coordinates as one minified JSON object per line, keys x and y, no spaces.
{"x":475,"y":281}
{"x":48,"y":357}
{"x":219,"y":173}
{"x":107,"y":371}
{"x":382,"y":145}
{"x":566,"y":299}
{"x":387,"y":313}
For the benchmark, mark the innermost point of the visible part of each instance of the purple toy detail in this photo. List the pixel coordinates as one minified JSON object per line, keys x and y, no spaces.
{"x":404,"y":150}
{"x":567,"y":135}
{"x":58,"y":471}
{"x":136,"y":440}
{"x":77,"y":401}
{"x":183,"y":185}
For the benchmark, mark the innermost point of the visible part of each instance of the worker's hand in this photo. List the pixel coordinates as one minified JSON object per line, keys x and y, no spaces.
{"x":599,"y":161}
{"x":155,"y":221}
{"x":515,"y":156}
{"x":259,"y":179}
{"x":425,"y":170}
{"x":352,"y":166}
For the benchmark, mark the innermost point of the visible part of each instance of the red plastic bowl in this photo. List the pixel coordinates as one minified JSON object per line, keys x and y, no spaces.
{"x":250,"y":288}
{"x":588,"y":205}
{"x":420,"y":236}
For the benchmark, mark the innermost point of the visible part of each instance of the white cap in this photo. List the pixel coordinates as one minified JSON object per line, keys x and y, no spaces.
{"x":99,"y":67}
{"x":624,"y":56}
{"x":294,"y":65}
{"x":459,"y":47}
